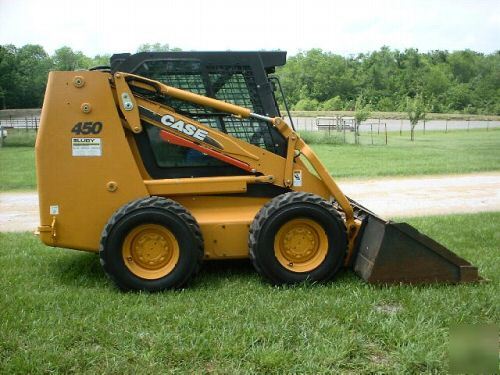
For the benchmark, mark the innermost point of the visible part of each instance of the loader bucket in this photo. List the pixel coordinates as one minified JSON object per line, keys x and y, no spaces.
{"x":391,"y":252}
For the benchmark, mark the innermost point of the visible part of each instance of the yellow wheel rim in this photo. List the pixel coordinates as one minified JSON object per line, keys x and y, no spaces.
{"x":150,"y":251}
{"x":301,"y":245}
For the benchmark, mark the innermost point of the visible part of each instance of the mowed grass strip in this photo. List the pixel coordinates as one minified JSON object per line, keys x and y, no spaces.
{"x":60,"y":314}
{"x":432,"y":153}
{"x":17,"y":168}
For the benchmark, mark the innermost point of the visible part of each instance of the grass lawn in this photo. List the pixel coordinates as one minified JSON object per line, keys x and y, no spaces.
{"x":17,"y":161}
{"x":17,"y":168}
{"x":432,"y":153}
{"x":61,"y":314}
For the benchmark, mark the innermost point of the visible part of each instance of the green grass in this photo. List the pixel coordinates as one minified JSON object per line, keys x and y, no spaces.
{"x":19,"y":138}
{"x":17,"y":168}
{"x":60,"y":314}
{"x":432,"y":153}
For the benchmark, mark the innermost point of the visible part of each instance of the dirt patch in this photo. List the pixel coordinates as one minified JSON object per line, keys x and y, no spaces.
{"x":431,"y":195}
{"x":388,"y":197}
{"x":18,"y":212}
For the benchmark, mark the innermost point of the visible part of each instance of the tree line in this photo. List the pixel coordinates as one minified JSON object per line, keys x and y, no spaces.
{"x":24,"y":70}
{"x":459,"y":82}
{"x":448,"y":82}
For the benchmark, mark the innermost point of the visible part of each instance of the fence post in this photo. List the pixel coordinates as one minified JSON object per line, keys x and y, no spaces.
{"x":401,"y":127}
{"x":378,"y":129}
{"x":26,"y":123}
{"x":1,"y":134}
{"x":424,"y":125}
{"x":488,"y":125}
{"x":343,"y":128}
{"x":371,"y":132}
{"x":446,"y":128}
{"x":385,"y":126}
{"x":468,"y":124}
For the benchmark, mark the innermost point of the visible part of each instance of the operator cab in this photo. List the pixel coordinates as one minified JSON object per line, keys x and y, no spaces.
{"x":241,"y":78}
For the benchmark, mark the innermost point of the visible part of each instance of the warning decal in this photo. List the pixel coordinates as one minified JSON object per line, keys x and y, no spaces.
{"x":86,"y":146}
{"x":297,"y":177}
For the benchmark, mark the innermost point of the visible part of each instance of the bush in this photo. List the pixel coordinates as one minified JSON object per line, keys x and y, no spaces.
{"x":332,"y":104}
{"x":306,"y":105}
{"x":386,"y":105}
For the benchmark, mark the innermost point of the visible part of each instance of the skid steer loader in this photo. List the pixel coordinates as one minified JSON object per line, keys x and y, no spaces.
{"x":165,"y":159}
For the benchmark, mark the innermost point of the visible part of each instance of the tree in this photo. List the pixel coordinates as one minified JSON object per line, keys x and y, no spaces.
{"x":66,"y":59}
{"x":2,"y":98}
{"x":460,"y":82}
{"x":101,"y":60}
{"x":33,"y":65}
{"x":361,"y":113}
{"x":23,"y":75}
{"x":415,"y":107}
{"x":8,"y":75}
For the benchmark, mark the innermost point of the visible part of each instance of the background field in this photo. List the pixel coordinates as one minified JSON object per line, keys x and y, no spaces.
{"x":432,"y":153}
{"x":61,"y":314}
{"x":17,"y":168}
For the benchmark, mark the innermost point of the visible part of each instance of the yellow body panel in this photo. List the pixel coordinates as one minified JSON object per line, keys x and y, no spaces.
{"x":224,"y":223}
{"x":77,"y":185}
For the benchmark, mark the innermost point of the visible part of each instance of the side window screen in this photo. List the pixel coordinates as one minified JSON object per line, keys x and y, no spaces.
{"x":231,"y":83}
{"x":170,"y":156}
{"x":232,"y":88}
{"x":237,"y":88}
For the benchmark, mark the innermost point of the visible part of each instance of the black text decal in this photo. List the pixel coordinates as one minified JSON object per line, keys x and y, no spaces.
{"x":87,"y":127}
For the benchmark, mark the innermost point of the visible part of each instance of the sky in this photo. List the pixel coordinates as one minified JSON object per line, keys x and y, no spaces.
{"x":344,"y":27}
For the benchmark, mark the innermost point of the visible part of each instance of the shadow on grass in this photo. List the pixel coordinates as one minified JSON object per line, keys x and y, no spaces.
{"x":219,"y":272}
{"x":83,"y":270}
{"x":225,"y":268}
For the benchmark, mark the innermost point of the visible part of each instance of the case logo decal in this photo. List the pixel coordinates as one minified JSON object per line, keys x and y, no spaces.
{"x":181,"y":126}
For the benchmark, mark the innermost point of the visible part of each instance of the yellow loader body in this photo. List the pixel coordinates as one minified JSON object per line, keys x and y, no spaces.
{"x":157,"y":178}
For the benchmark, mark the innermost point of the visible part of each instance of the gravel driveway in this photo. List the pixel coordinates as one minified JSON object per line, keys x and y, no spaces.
{"x":388,"y":197}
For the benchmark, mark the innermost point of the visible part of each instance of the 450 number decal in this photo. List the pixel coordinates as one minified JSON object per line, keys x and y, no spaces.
{"x":87,"y":127}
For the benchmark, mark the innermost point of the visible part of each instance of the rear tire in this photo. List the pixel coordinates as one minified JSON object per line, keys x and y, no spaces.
{"x":151,"y":244}
{"x":297,"y":237}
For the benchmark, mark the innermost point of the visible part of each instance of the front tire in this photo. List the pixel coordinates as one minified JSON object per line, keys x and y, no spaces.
{"x":297,"y":237}
{"x":151,"y":244}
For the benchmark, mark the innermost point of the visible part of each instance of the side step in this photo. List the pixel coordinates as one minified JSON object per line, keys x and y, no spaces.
{"x":391,"y":252}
